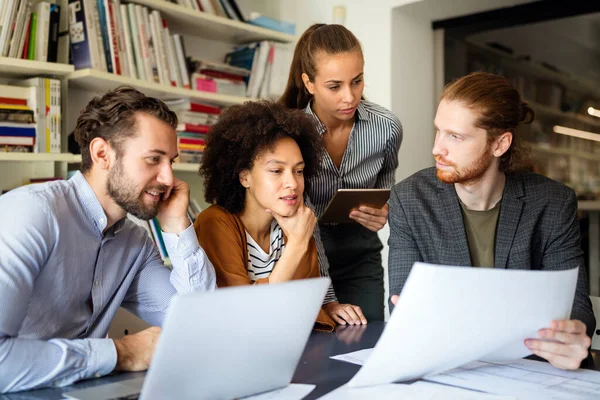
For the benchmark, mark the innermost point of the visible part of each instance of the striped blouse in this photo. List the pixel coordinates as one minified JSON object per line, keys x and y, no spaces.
{"x":260,"y":264}
{"x":370,"y":159}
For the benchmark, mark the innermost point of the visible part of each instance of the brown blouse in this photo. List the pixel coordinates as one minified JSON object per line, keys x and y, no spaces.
{"x":223,"y":237}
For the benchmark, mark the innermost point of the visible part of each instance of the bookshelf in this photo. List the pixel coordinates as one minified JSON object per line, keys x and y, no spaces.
{"x":197,"y":23}
{"x":17,"y":68}
{"x":99,"y":82}
{"x":532,"y":68}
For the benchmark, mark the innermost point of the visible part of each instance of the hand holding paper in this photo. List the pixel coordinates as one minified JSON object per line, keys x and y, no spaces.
{"x":448,"y":316}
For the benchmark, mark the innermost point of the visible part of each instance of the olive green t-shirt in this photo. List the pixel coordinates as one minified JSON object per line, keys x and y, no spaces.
{"x":481,"y":234}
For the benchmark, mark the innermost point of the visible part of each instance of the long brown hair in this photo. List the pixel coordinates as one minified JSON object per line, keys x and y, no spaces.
{"x":499,"y":109}
{"x":331,"y":39}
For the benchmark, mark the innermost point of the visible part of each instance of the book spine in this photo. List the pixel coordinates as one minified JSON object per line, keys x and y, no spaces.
{"x":53,"y":33}
{"x":48,"y":104}
{"x":178,"y":44}
{"x":120,"y":32}
{"x":98,"y":35}
{"x":43,"y":30}
{"x":156,"y":36}
{"x":136,"y":40}
{"x":128,"y":41}
{"x":32,"y":36}
{"x":113,"y":36}
{"x":155,"y":77}
{"x":95,"y":52}
{"x":105,"y":30}
{"x":11,"y":14}
{"x":25,"y":42}
{"x":175,"y":74}
{"x":144,"y":48}
{"x":18,"y":29}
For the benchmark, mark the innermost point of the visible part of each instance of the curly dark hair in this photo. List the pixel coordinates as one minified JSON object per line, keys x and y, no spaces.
{"x":241,"y":135}
{"x":112,"y":118}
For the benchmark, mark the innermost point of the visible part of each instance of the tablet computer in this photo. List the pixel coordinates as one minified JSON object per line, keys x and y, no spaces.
{"x":344,"y":200}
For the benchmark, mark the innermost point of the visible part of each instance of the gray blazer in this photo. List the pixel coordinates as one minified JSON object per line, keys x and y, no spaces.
{"x":537,"y":229}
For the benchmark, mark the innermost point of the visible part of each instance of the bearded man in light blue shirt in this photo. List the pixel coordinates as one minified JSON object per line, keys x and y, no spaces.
{"x":69,"y":257}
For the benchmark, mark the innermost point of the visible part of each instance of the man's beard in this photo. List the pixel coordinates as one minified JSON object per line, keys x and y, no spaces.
{"x":468,"y":175}
{"x":123,"y":191}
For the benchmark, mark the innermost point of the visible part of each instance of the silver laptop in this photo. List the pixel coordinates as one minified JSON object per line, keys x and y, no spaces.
{"x":234,"y":342}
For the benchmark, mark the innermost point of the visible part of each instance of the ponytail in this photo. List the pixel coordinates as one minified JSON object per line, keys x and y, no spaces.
{"x":331,"y":39}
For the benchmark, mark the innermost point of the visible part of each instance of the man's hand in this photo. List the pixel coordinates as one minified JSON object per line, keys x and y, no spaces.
{"x":565,"y":344}
{"x":371,"y":218}
{"x":172,"y":211}
{"x":134,"y":352}
{"x":299,"y":227}
{"x":345,"y":313}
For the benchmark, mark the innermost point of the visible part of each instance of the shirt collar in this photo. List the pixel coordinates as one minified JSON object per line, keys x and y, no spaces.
{"x":92,"y":205}
{"x":361,"y":114}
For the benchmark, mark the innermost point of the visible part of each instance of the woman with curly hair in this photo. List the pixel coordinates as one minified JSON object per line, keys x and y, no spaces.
{"x":257,"y":164}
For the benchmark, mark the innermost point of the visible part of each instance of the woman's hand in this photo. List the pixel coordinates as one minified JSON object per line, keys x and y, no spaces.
{"x":371,"y":218}
{"x":299,"y":227}
{"x":344,"y":314}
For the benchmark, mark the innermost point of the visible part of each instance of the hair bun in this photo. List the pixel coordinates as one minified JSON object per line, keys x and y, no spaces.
{"x":527,"y":113}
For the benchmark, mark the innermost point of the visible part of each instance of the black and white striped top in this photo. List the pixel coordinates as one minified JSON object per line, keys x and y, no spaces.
{"x":370,"y":159}
{"x":261,"y":264}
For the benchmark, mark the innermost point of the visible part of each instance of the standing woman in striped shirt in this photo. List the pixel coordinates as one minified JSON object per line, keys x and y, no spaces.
{"x":362,"y":140}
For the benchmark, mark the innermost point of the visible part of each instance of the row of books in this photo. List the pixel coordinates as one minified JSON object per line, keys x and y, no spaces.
{"x":30,"y":116}
{"x":195,"y":121}
{"x":210,"y":76}
{"x":230,"y":9}
{"x":31,"y":31}
{"x":129,"y":40}
{"x":269,"y":65}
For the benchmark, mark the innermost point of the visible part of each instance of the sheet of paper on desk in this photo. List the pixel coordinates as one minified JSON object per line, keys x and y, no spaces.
{"x":449,"y":316}
{"x":356,"y":357}
{"x":417,"y":391}
{"x":293,"y":391}
{"x":525,"y":379}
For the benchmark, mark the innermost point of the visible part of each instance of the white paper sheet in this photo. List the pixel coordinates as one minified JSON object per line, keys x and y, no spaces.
{"x":525,"y":379}
{"x":294,"y":391}
{"x":417,"y":391}
{"x":356,"y":357}
{"x":449,"y":316}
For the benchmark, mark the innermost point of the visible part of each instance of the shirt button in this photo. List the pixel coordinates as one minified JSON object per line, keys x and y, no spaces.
{"x":96,"y":283}
{"x":101,"y":220}
{"x":182,"y":246}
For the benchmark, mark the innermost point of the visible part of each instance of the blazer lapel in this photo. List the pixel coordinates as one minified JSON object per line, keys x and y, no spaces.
{"x":511,"y":207}
{"x":454,"y":238}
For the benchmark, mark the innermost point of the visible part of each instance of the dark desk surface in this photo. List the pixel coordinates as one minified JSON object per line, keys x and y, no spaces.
{"x":315,"y":366}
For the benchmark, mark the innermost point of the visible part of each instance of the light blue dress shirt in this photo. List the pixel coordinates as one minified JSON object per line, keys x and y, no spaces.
{"x":62,"y":281}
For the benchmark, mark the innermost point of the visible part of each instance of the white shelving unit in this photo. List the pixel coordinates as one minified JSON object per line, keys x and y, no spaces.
{"x":565,"y":152}
{"x":99,"y":81}
{"x":17,"y":68}
{"x":40,"y":157}
{"x":547,"y":110}
{"x":74,"y":159}
{"x":197,"y":23}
